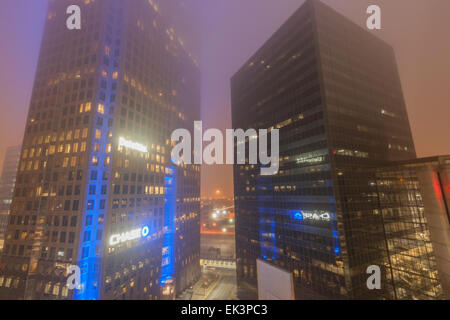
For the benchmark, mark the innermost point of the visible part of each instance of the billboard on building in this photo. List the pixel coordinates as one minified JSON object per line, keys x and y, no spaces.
{"x":274,"y":283}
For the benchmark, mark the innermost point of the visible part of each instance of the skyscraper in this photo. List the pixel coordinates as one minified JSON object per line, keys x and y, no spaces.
{"x":333,"y":90}
{"x":96,"y":188}
{"x":7,"y":181}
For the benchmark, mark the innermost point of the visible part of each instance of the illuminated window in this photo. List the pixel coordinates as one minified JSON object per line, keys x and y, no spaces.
{"x":47,"y":287}
{"x":85,"y":133}
{"x":56,"y":289}
{"x":101,"y":109}
{"x":65,"y":162}
{"x":65,"y":289}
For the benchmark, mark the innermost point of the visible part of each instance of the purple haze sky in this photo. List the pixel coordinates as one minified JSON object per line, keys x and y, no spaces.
{"x":231,"y":31}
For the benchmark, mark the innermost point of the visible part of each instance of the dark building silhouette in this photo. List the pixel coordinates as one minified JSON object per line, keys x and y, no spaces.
{"x":96,"y":187}
{"x":334,"y":91}
{"x":7,"y":181}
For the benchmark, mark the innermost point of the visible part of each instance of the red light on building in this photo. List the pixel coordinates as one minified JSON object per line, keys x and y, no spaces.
{"x":437,"y":188}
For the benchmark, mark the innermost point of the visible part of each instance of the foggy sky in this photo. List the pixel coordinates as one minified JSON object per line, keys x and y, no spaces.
{"x":230,"y":32}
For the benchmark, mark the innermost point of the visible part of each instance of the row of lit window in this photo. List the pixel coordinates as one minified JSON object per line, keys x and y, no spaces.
{"x":69,"y":135}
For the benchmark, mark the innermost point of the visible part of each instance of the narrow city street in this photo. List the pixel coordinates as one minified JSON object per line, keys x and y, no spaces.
{"x":225,"y":289}
{"x":221,"y":285}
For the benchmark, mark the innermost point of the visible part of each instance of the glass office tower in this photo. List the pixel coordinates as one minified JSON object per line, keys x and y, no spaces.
{"x":414,"y":200}
{"x":95,"y":186}
{"x":333,"y":90}
{"x":7,"y":182}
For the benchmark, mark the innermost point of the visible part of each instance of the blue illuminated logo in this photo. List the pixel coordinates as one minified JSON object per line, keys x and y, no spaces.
{"x":298,"y":215}
{"x":145,"y":231}
{"x":313,"y":215}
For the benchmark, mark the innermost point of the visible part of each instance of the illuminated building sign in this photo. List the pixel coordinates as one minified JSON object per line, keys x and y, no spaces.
{"x":304,"y":160}
{"x":312,"y":215}
{"x":132,"y":145}
{"x":116,"y":239}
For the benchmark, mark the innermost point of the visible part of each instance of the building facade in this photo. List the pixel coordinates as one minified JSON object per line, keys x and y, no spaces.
{"x":333,"y":91}
{"x":414,"y":200}
{"x":96,"y":188}
{"x":7,"y":182}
